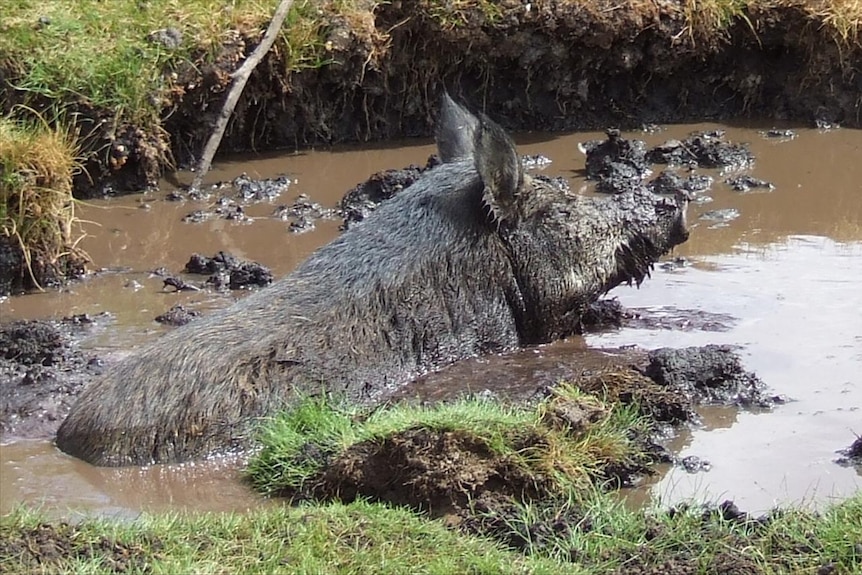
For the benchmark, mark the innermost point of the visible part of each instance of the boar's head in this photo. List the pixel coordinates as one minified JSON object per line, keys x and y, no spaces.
{"x":565,"y":249}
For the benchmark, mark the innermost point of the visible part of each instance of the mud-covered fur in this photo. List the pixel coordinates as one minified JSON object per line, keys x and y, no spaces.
{"x":475,"y":257}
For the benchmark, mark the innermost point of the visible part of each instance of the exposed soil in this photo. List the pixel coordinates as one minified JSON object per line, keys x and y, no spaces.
{"x":39,"y":550}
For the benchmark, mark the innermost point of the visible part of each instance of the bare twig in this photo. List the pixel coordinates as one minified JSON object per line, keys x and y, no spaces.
{"x":240,"y":77}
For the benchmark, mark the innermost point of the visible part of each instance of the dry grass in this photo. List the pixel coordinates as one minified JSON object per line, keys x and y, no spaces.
{"x":36,"y":207}
{"x":842,"y":18}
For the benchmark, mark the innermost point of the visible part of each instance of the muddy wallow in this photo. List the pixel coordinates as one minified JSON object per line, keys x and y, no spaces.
{"x":475,"y":257}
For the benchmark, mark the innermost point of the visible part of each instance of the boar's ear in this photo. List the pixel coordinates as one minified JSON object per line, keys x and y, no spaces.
{"x":500,"y":169}
{"x":456,"y":128}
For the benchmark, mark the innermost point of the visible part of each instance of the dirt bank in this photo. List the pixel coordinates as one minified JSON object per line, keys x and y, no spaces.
{"x":539,"y":65}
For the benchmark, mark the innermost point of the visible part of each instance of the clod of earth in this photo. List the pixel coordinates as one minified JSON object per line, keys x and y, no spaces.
{"x":852,"y":455}
{"x":600,"y":427}
{"x":621,"y":165}
{"x":669,"y":181}
{"x":703,"y":149}
{"x":617,"y":163}
{"x":303,"y":213}
{"x":178,"y":315}
{"x":475,"y":257}
{"x":225,"y":271}
{"x":746,"y":183}
{"x":713,"y":374}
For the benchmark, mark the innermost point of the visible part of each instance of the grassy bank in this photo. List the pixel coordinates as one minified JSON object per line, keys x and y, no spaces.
{"x":362,"y":537}
{"x":126,"y":57}
{"x":129,"y":58}
{"x":141,"y":80}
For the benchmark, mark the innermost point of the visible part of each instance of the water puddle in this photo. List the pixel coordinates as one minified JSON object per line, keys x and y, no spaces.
{"x":781,"y":281}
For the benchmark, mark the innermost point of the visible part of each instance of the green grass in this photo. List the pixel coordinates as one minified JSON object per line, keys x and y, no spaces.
{"x":600,"y":536}
{"x":97,"y":53}
{"x":603,"y":535}
{"x":359,"y":538}
{"x":298,"y":444}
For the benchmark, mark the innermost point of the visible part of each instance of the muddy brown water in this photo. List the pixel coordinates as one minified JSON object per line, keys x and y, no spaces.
{"x":781,"y":281}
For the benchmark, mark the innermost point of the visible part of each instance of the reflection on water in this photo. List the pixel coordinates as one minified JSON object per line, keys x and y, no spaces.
{"x":798,"y":304}
{"x":786,"y":271}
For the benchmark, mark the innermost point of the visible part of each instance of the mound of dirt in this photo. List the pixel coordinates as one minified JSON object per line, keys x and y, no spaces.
{"x":425,"y":469}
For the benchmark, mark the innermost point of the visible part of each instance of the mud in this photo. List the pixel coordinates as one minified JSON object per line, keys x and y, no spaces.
{"x":619,"y":164}
{"x":749,"y":283}
{"x":41,"y":373}
{"x":228,"y":272}
{"x":713,"y":374}
{"x":176,"y":316}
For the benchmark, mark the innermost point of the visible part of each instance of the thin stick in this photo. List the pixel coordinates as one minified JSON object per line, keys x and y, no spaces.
{"x":240,"y":78}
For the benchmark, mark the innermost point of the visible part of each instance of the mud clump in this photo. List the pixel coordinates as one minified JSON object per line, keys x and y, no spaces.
{"x":176,"y":316}
{"x":619,"y":164}
{"x":711,"y":374}
{"x":673,"y":382}
{"x":41,"y":549}
{"x":669,"y":182}
{"x":303,"y":213}
{"x":852,"y":456}
{"x":745,"y":183}
{"x":363,"y":199}
{"x":628,"y":386}
{"x":226,"y":271}
{"x":704,"y":150}
{"x":41,"y":373}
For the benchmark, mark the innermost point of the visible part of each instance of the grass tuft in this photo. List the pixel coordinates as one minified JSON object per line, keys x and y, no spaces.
{"x":37,"y":211}
{"x":566,"y":443}
{"x":708,"y":21}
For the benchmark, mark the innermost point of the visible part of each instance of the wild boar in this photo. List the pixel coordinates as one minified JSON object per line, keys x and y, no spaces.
{"x":475,"y":257}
